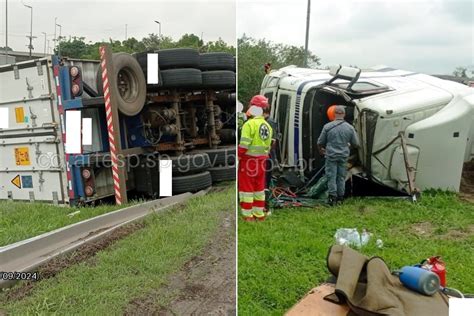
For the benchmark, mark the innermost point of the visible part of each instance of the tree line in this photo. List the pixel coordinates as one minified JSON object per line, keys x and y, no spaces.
{"x":76,"y":47}
{"x":255,"y":53}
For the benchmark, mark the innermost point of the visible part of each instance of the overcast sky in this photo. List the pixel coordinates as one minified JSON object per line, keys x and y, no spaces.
{"x":431,"y":36}
{"x":101,"y":20}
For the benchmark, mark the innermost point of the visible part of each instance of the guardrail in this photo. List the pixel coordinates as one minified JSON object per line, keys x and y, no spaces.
{"x":29,"y":254}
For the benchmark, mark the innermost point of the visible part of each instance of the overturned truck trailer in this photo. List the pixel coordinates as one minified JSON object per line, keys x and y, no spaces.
{"x":55,"y":130}
{"x":416,"y":131}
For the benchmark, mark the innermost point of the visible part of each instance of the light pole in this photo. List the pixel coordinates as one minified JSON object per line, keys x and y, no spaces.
{"x":307,"y":35}
{"x":31,"y":29}
{"x":54,"y":39}
{"x":159,"y":30}
{"x":44,"y":43}
{"x":59,"y":39}
{"x":6,"y":31}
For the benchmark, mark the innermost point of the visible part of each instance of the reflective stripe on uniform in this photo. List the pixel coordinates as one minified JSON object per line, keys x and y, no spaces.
{"x":245,"y":139}
{"x":254,"y":147}
{"x":246,"y":197}
{"x":246,"y":213}
{"x":256,"y":154}
{"x":258,"y":212}
{"x":259,"y":196}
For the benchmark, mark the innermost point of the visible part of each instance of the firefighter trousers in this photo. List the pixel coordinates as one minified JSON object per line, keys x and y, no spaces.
{"x":252,"y":186}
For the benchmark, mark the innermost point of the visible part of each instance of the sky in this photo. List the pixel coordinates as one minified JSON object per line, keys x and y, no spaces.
{"x":101,"y":20}
{"x":430,"y":36}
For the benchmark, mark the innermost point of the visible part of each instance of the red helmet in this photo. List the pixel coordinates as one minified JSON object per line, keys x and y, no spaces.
{"x":260,"y":101}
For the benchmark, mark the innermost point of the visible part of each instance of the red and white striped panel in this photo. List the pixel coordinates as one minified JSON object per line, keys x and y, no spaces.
{"x":63,"y":130}
{"x":110,"y":126}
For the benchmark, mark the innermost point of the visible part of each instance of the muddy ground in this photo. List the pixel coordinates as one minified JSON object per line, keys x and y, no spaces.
{"x":204,"y":286}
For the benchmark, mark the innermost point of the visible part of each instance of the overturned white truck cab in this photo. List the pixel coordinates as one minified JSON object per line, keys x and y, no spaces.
{"x":416,"y":131}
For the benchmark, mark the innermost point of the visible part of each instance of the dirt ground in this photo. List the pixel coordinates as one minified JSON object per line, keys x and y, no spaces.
{"x":467,"y":182}
{"x":204,"y":286}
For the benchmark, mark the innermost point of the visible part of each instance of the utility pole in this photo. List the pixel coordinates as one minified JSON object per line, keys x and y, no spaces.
{"x":6,"y":31}
{"x":44,"y":53}
{"x":31,"y":29}
{"x":307,"y":35}
{"x":125,"y":31}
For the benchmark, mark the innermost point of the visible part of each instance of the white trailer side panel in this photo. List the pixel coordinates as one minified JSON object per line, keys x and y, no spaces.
{"x":32,"y":163}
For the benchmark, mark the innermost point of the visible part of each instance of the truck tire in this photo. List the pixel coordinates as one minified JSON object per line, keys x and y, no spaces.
{"x":178,"y":58}
{"x":218,"y":79}
{"x":219,"y":174}
{"x":130,"y":91}
{"x":228,"y":135}
{"x":192,"y":183}
{"x":187,"y":164}
{"x":226,"y":99}
{"x":216,"y":61}
{"x":222,"y":156}
{"x":142,"y":58}
{"x":181,"y":78}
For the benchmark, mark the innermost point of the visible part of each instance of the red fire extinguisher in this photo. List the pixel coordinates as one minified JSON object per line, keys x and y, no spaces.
{"x":436,"y":265}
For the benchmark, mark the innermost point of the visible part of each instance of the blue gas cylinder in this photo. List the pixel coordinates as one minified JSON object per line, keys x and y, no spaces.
{"x":419,"y":280}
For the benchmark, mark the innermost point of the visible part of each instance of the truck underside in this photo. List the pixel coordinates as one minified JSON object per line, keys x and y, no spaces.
{"x":187,"y":117}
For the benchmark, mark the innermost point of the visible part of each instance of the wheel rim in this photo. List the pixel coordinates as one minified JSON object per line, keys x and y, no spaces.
{"x":127,"y":85}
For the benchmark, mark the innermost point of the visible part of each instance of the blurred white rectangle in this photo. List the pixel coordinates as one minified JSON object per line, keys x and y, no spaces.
{"x":461,"y":306}
{"x":152,"y":68}
{"x":4,"y":117}
{"x":166,"y":178}
{"x":73,"y":132}
{"x":87,"y":131}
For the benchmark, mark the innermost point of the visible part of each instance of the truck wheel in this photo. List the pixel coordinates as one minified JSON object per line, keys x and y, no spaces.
{"x":218,"y":79}
{"x":216,"y":61}
{"x":227,"y":135}
{"x":222,"y":156}
{"x":219,"y":174}
{"x":130,"y":91}
{"x":186,"y":164}
{"x":178,"y":58}
{"x":192,"y":183}
{"x":181,"y":78}
{"x":226,"y":99}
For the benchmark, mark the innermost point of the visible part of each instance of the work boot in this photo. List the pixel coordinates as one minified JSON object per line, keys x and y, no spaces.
{"x":261,"y":219}
{"x":340,"y":200}
{"x":332,"y":200}
{"x":248,"y":218}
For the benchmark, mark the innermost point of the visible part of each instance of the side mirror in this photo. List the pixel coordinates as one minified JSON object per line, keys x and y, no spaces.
{"x":334,"y":70}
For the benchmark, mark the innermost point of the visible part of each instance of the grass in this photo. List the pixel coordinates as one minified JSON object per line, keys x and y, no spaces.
{"x":133,"y":266}
{"x":20,"y":220}
{"x":281,"y":259}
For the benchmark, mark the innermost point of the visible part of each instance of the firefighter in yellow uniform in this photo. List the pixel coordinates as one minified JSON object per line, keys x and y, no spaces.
{"x":254,"y":147}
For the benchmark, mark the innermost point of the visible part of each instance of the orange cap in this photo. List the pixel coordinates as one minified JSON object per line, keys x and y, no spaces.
{"x":331,"y":113}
